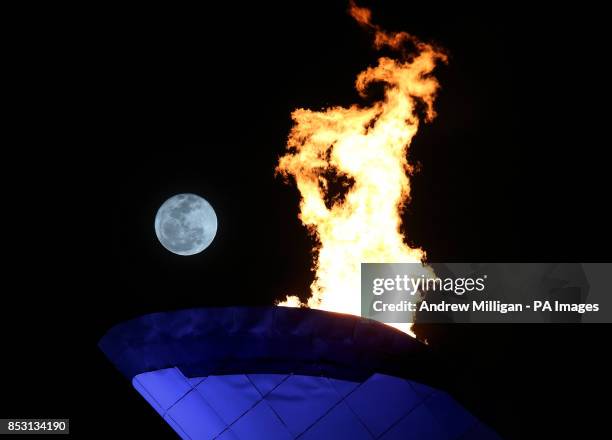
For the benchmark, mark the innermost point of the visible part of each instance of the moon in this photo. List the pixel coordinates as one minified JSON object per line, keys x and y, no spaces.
{"x":186,"y":224}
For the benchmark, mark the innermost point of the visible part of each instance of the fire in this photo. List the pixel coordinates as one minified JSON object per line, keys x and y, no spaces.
{"x":361,"y":151}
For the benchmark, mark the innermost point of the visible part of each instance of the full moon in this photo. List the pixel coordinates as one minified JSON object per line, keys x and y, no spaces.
{"x":186,"y":224}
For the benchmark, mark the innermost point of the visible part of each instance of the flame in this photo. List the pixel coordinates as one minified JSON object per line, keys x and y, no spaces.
{"x":362,"y":150}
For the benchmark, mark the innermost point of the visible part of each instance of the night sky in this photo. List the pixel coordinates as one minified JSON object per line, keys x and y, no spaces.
{"x":512,"y":169}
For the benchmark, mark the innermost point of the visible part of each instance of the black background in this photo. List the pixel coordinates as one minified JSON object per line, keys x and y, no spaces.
{"x":120,"y":109}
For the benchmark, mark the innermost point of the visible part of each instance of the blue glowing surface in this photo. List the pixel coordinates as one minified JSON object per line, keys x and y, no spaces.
{"x":244,"y":373}
{"x":293,"y":406}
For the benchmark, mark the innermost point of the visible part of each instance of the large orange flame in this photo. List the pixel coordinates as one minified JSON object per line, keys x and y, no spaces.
{"x":361,"y":150}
